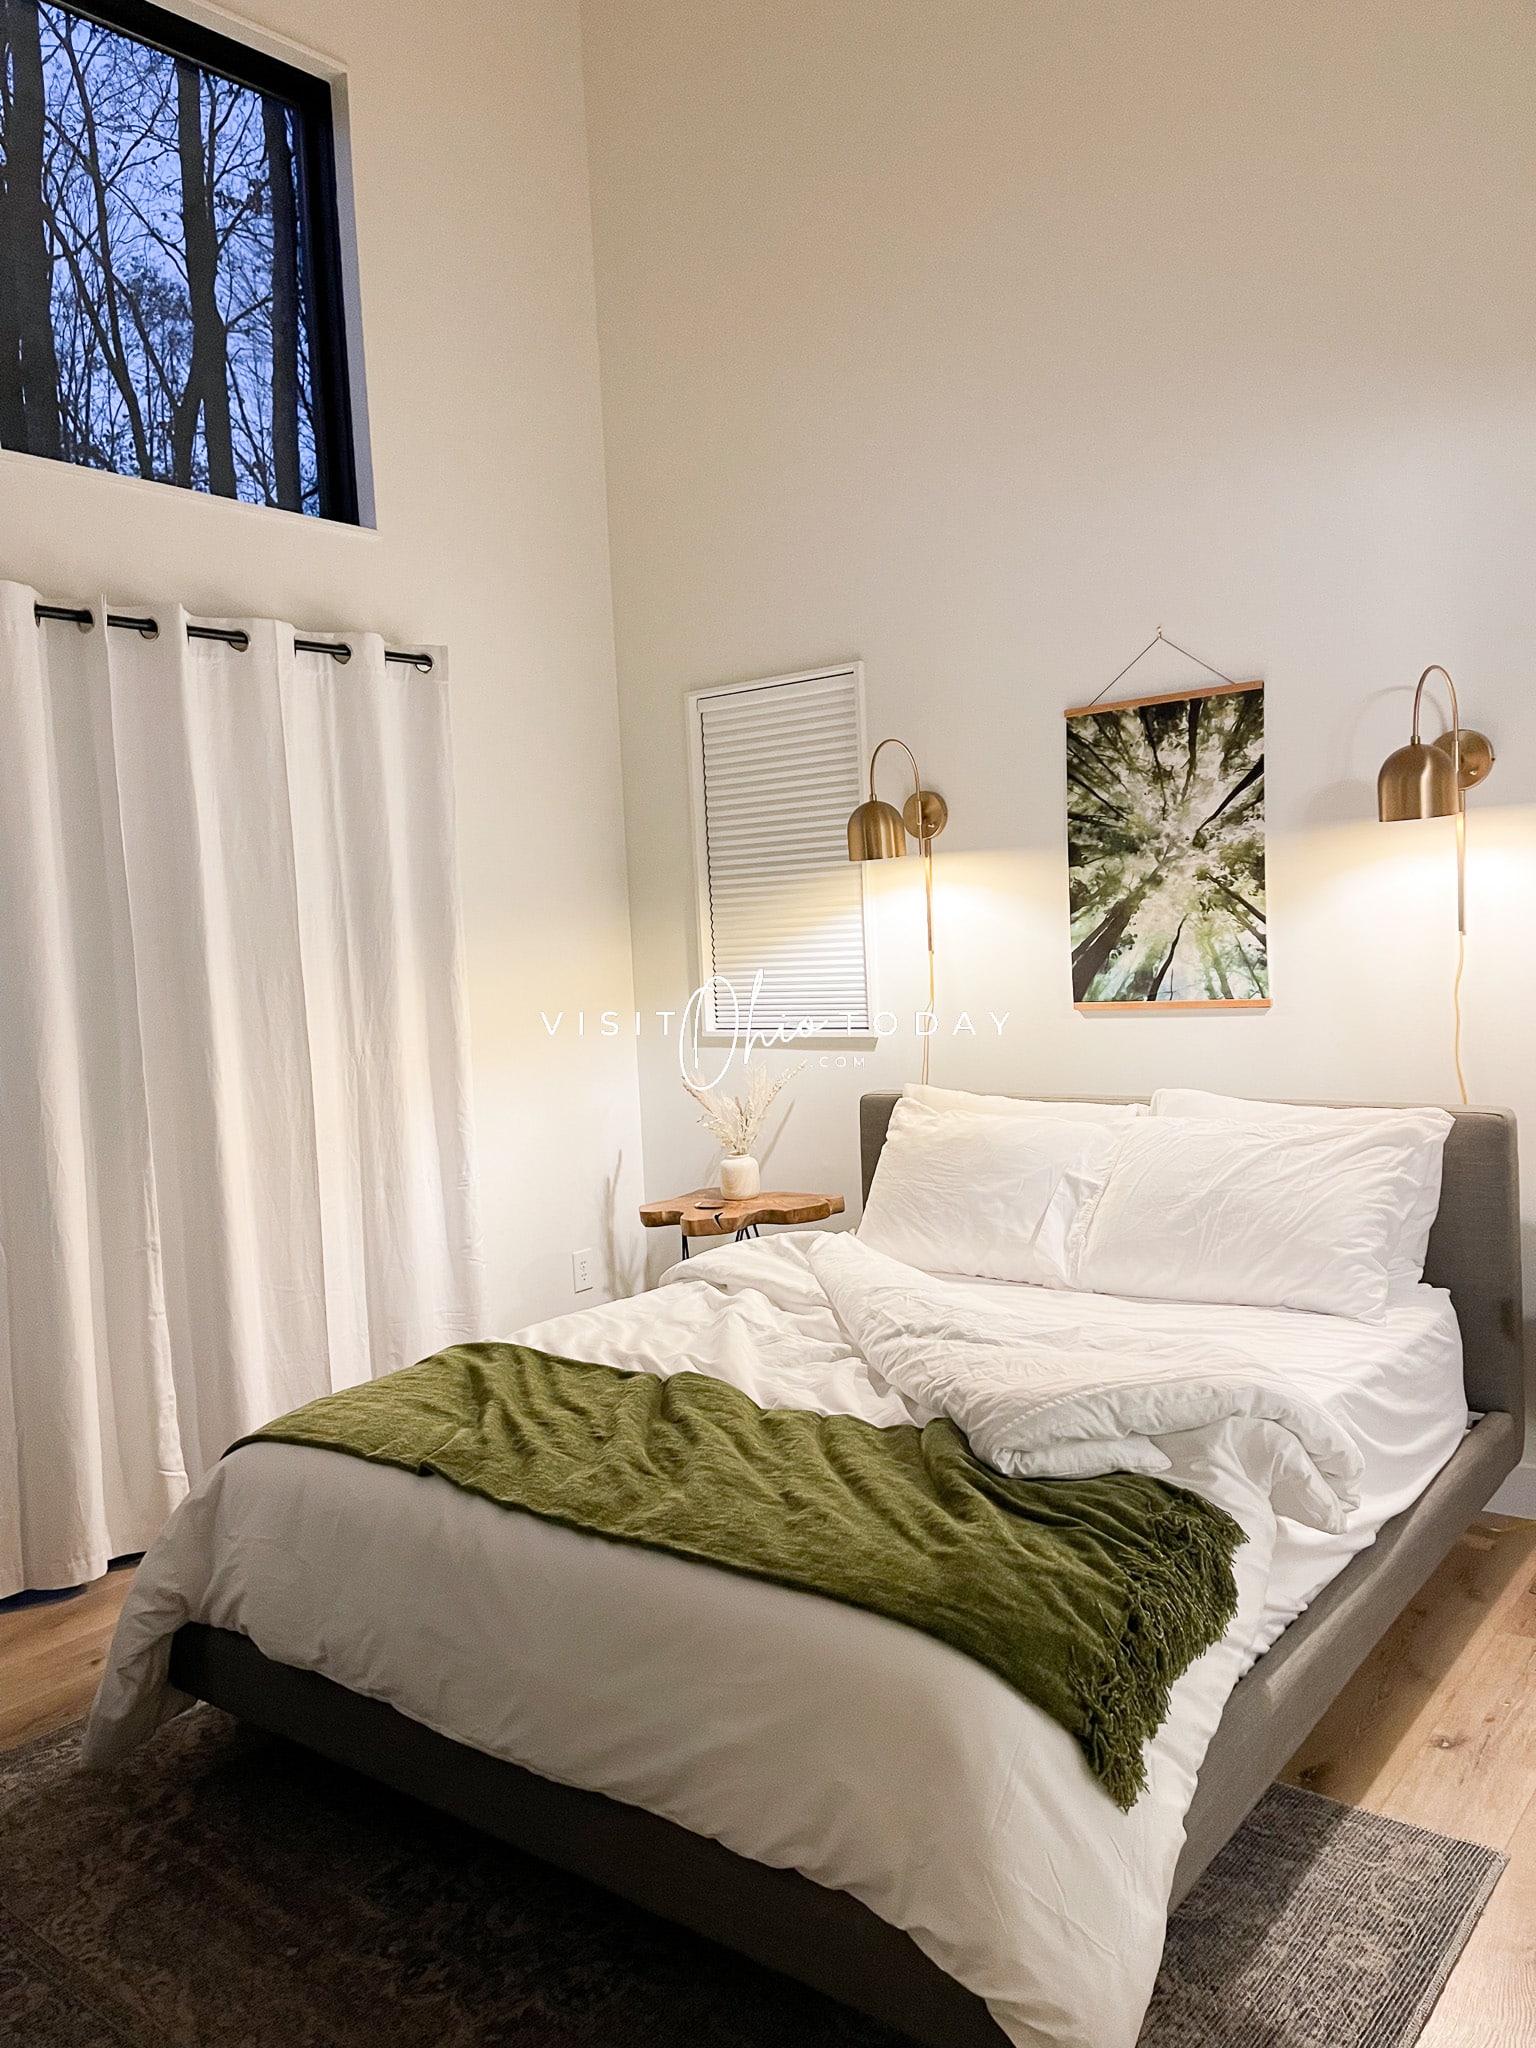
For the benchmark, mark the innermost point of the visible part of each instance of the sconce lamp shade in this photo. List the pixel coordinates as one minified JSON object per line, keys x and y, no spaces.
{"x":1417,"y":781}
{"x":876,"y":832}
{"x":1431,"y":780}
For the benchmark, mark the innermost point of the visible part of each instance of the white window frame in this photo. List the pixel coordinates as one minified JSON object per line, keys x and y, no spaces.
{"x":712,"y":1029}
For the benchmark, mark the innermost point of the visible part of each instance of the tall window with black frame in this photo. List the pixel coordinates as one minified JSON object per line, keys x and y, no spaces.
{"x":170,"y":285}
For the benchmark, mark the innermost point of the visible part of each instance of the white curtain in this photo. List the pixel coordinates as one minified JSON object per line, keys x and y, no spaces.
{"x":236,"y":1167}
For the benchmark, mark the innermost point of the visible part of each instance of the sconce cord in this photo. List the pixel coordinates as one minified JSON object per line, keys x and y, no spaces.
{"x":1435,"y":669}
{"x":1461,"y":942}
{"x":926,"y":844}
{"x":928,"y":895}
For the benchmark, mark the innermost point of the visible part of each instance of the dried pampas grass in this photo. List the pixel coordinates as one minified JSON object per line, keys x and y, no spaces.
{"x":735,"y":1121}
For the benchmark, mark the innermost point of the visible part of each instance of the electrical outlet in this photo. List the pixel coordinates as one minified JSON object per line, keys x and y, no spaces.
{"x":583,"y":1271}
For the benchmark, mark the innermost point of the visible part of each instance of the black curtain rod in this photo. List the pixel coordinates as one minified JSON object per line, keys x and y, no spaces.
{"x":338,"y":650}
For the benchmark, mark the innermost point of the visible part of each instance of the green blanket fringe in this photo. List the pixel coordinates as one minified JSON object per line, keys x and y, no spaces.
{"x":1088,"y":1596}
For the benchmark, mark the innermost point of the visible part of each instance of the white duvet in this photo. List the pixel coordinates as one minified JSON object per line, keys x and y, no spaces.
{"x":795,"y":1730}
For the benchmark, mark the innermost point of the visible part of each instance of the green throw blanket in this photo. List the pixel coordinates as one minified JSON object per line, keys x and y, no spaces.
{"x":1087,"y":1596}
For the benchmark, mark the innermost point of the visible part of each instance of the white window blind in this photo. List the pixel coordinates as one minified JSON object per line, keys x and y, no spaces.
{"x":777,"y":767}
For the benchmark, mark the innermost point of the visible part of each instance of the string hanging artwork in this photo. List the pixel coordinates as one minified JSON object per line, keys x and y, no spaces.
{"x":1165,"y":846}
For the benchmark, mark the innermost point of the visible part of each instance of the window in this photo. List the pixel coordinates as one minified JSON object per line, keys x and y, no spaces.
{"x":170,"y":302}
{"x":777,"y":767}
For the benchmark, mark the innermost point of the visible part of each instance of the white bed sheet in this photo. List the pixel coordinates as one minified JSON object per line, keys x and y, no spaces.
{"x":792,"y":1729}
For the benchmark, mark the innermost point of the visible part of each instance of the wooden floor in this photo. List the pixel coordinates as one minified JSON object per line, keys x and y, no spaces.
{"x":51,"y":1657}
{"x":1438,"y":1727}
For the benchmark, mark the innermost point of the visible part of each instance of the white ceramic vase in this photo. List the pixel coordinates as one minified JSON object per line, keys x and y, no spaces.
{"x":739,"y":1178}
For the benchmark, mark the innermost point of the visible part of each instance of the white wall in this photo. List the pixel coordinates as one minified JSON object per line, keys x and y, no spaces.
{"x":978,"y":339}
{"x":474,"y":248}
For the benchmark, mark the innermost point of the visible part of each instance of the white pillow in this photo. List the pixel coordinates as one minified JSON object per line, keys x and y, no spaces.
{"x":957,"y":1101}
{"x":1271,"y":1215}
{"x":998,"y":1197}
{"x":1420,"y":1132}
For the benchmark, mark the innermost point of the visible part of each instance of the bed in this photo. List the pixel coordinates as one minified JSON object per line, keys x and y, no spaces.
{"x":818,"y":1932}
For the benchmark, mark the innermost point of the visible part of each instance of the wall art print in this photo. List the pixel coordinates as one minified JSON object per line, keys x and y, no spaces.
{"x":1165,"y":848}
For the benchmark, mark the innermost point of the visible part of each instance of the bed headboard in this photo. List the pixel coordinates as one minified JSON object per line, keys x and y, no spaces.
{"x":1474,"y":1248}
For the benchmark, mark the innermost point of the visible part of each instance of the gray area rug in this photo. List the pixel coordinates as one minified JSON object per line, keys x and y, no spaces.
{"x":1318,"y":1926}
{"x":225,"y":1890}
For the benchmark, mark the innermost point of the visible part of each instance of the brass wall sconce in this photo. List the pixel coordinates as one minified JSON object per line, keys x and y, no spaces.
{"x":1430,"y":779}
{"x":878,"y":831}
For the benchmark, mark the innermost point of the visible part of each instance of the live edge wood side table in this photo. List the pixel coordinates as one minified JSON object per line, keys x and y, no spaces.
{"x":705,"y":1213}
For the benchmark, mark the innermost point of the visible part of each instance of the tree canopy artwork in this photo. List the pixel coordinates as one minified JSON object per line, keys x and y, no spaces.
{"x":155,"y":314}
{"x":1165,"y":845}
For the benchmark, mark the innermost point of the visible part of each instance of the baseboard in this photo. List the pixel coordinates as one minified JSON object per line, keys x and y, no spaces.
{"x":1517,"y":1496}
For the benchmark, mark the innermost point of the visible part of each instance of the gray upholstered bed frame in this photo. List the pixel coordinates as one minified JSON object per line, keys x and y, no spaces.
{"x":826,"y":1938}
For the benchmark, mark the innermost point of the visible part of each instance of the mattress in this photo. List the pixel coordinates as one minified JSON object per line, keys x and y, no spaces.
{"x":795,"y":1731}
